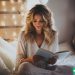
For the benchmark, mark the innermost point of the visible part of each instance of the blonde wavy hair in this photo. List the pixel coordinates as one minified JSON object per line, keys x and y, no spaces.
{"x":48,"y":32}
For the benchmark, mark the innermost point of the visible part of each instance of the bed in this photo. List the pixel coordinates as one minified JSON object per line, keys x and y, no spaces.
{"x":8,"y":53}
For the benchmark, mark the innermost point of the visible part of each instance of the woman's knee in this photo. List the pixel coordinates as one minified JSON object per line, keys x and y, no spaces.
{"x":24,"y":68}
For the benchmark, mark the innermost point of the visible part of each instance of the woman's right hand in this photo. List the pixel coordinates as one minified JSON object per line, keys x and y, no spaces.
{"x":30,"y":59}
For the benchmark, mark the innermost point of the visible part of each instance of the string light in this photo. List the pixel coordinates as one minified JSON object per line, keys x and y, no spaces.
{"x":19,"y":1}
{"x":15,"y":22}
{"x":12,"y":1}
{"x":13,"y":9}
{"x":22,"y":8}
{"x":3,"y":23}
{"x":14,"y":16}
{"x":14,"y":34}
{"x":3,"y":3}
{"x":14,"y":19}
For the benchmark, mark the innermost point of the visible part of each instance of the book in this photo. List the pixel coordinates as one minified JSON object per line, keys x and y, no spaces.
{"x":43,"y":58}
{"x":48,"y":55}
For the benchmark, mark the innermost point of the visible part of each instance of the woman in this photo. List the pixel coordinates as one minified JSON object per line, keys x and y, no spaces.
{"x":39,"y":33}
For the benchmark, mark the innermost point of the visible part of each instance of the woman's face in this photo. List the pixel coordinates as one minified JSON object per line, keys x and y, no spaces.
{"x":38,"y":23}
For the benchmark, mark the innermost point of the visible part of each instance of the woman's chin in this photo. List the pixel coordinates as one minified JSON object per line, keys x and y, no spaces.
{"x":38,"y":31}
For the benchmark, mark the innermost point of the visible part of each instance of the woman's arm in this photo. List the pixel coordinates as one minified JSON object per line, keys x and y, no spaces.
{"x":21,"y":52}
{"x":30,"y":59}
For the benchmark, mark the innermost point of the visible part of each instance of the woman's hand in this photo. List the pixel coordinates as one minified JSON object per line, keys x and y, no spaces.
{"x":53,"y":60}
{"x":30,"y":59}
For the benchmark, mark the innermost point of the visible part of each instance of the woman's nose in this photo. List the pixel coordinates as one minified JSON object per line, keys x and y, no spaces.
{"x":38,"y":22}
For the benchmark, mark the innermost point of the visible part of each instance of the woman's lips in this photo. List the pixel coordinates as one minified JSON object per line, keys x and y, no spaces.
{"x":38,"y":26}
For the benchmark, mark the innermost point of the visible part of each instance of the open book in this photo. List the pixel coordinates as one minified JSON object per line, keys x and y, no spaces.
{"x":43,"y":58}
{"x":48,"y":56}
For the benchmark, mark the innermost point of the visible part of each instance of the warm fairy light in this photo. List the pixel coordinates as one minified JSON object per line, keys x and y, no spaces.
{"x":14,"y":34}
{"x":19,"y":1}
{"x":12,"y":1}
{"x":3,"y":3}
{"x":13,"y":9}
{"x":15,"y":22}
{"x":14,"y":16}
{"x":22,"y":8}
{"x":3,"y":23}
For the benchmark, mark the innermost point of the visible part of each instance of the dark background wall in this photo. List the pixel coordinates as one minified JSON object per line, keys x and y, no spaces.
{"x":64,"y":16}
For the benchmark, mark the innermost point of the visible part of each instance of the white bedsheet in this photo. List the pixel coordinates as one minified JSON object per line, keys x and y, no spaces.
{"x":8,"y":49}
{"x":67,"y":58}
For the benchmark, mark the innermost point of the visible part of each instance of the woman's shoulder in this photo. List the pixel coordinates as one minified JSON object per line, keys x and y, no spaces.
{"x":22,"y":33}
{"x":21,"y":36}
